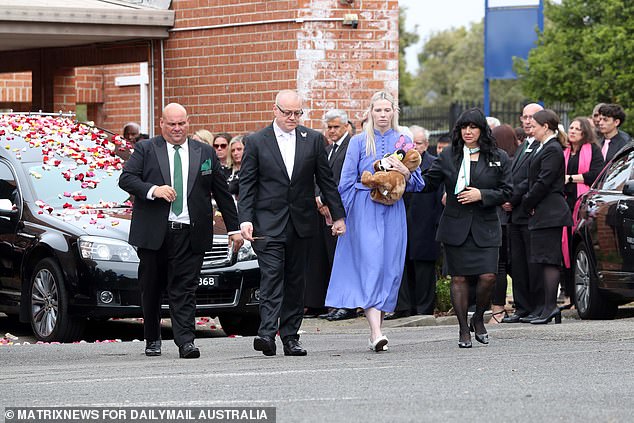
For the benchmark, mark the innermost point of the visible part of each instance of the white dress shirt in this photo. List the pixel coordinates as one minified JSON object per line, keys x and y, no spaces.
{"x":286,"y":143}
{"x":184,"y":154}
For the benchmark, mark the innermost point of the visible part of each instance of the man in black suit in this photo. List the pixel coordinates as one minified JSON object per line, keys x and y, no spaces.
{"x":417,"y":294}
{"x":528,"y":294}
{"x":172,"y":179}
{"x":611,"y":116}
{"x":277,"y":212}
{"x":322,"y":251}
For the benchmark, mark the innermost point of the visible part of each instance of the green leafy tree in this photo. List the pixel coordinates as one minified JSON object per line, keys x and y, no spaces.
{"x":452,"y":69}
{"x":405,"y":39}
{"x":584,"y":56}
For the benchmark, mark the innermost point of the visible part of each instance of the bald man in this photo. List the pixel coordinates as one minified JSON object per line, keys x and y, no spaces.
{"x":172,"y":179}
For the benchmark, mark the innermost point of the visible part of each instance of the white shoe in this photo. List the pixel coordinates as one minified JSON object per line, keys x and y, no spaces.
{"x":379,"y":344}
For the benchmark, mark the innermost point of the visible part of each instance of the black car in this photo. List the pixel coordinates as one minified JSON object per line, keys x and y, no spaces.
{"x":64,"y":222}
{"x":603,"y":240}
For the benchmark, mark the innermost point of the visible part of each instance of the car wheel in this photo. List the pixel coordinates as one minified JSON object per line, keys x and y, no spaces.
{"x":590,"y":302}
{"x":50,"y":319}
{"x":243,"y":325}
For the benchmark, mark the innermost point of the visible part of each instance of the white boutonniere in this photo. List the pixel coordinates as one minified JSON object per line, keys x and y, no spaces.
{"x":494,"y":164}
{"x":303,"y":134}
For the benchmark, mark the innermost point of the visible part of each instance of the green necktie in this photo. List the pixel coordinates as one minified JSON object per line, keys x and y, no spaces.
{"x":177,"y":205}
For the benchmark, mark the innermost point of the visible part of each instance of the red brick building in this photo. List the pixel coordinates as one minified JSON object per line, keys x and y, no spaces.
{"x":224,"y":60}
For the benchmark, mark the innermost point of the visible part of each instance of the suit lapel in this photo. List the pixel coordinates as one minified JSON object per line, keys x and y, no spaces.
{"x":480,"y":166}
{"x":160,"y":149}
{"x":195,"y":152}
{"x":301,"y":135}
{"x":270,"y":141}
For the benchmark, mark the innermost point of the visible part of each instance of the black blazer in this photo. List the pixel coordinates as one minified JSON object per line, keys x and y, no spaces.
{"x":545,"y":202}
{"x":616,"y":144}
{"x":492,"y":178}
{"x":519,"y":180}
{"x":423,"y":211}
{"x":148,"y":166}
{"x":269,"y":199}
{"x":336,"y":162}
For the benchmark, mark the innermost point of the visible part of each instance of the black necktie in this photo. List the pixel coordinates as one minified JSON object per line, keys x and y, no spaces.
{"x":332,"y":152}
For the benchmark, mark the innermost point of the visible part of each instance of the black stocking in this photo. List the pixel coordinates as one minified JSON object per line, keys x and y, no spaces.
{"x":551,"y":285}
{"x":460,"y":301}
{"x":486,"y":282}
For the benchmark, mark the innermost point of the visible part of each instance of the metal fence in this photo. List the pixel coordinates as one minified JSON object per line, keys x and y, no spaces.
{"x":440,"y":120}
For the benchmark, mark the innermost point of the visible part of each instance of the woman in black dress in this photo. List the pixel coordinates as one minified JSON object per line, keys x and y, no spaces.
{"x":476,"y":175}
{"x":547,"y":209}
{"x":583,"y":161}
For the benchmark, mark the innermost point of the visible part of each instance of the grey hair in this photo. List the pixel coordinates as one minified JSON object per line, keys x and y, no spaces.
{"x":415,"y":129}
{"x":333,"y":114}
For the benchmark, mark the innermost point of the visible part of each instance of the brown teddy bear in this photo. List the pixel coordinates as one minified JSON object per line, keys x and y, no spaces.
{"x":388,"y":185}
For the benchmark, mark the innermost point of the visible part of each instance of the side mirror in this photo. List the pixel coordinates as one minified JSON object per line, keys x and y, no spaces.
{"x":628,"y":188}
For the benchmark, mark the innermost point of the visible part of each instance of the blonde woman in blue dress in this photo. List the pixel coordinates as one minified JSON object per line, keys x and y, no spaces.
{"x":369,"y":258}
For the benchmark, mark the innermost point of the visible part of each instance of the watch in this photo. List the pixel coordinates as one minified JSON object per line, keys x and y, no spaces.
{"x":570,"y":181}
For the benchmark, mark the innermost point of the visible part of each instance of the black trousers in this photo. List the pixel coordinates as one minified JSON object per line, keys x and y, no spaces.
{"x":321,"y":255}
{"x":528,"y":280}
{"x":175,"y":268}
{"x":417,"y":293}
{"x":282,"y":261}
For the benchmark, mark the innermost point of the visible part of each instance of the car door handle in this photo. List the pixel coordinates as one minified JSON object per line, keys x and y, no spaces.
{"x":622,"y":207}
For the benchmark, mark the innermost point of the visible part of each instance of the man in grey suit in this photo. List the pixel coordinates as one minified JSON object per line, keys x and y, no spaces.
{"x":281,"y":164}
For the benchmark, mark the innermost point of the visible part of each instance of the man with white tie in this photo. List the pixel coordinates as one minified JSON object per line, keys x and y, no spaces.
{"x":280,"y":167}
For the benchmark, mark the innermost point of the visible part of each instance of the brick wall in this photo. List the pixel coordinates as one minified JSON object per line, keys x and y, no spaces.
{"x":15,"y":91}
{"x":228,"y":77}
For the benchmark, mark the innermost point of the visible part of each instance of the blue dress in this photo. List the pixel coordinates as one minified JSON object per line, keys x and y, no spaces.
{"x":369,"y":258}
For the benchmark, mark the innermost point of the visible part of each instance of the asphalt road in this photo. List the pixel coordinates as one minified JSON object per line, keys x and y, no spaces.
{"x":579,"y":371}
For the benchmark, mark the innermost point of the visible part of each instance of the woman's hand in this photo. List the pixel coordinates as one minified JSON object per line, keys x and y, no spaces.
{"x":469,"y":195}
{"x":399,"y":167}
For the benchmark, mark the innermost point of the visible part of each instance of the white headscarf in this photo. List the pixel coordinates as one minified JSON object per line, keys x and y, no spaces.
{"x":464,"y":175}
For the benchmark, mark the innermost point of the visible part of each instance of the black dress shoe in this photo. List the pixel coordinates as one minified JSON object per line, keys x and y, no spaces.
{"x":329,"y":314}
{"x":153,"y":348}
{"x":291,"y":347}
{"x":529,"y":318}
{"x":397,"y":315}
{"x":266,"y":344}
{"x":343,"y":314}
{"x":188,"y":350}
{"x":513,"y":318}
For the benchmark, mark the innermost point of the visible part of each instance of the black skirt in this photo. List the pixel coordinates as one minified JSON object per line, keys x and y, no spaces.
{"x":546,"y":246}
{"x":470,"y":259}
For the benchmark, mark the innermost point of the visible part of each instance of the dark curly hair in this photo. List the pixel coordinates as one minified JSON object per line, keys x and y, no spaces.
{"x":486,"y":141}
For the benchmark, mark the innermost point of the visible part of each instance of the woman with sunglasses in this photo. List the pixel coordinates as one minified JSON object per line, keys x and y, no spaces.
{"x":476,"y":175}
{"x":221,"y":145}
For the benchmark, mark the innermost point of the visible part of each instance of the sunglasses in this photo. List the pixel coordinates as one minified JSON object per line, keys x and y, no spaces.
{"x":288,"y":113}
{"x":220,"y":146}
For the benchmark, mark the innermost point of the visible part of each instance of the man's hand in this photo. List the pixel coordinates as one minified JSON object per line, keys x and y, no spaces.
{"x":237,"y":241}
{"x":165,"y":192}
{"x":246,"y":230}
{"x":338,"y":227}
{"x":507,"y":207}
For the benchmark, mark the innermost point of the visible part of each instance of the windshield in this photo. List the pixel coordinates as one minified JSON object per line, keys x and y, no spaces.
{"x":70,"y":165}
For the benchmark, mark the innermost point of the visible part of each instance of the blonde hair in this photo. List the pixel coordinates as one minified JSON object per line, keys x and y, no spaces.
{"x":236,"y":139}
{"x":205,"y":135}
{"x":368,"y":126}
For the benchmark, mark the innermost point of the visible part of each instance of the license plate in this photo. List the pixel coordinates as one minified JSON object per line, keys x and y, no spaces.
{"x":208,"y":281}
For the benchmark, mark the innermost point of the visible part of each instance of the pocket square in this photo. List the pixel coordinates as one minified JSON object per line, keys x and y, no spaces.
{"x":206,"y":165}
{"x":494,"y":164}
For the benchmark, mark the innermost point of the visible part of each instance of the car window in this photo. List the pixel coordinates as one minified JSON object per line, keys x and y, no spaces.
{"x":620,"y":171}
{"x":8,"y":187}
